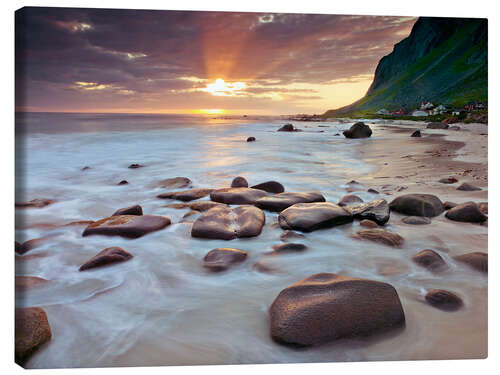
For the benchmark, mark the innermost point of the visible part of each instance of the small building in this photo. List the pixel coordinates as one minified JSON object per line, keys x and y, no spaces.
{"x":418,"y":113}
{"x":399,"y":112}
{"x":426,"y":106}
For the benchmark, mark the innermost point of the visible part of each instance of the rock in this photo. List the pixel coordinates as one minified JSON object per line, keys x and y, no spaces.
{"x":32,"y":331}
{"x":178,"y":206}
{"x":80,"y":222}
{"x":443,"y":300}
{"x":28,"y":282}
{"x":437,"y":125}
{"x":186,"y":195}
{"x":237,"y":195}
{"x":270,"y":186}
{"x":135,"y":166}
{"x":468,"y":187}
{"x":381,"y":236}
{"x":288,"y":128}
{"x":251,"y":139}
{"x":455,"y":127}
{"x":18,"y":247}
{"x":37,"y":203}
{"x":430,"y":260}
{"x":373,"y":191}
{"x":468,"y":212}
{"x":447,"y":205}
{"x":29,"y":245}
{"x":476,"y":260}
{"x":106,"y":257}
{"x":416,"y":220}
{"x":377,"y":210}
{"x":416,"y":133}
{"x":189,"y":214}
{"x":132,"y":210}
{"x":239,"y":182}
{"x":226,"y":224}
{"x":279,"y":202}
{"x":349,"y":199}
{"x":358,"y":130}
{"x":306,"y":217}
{"x":202,"y":206}
{"x":326,"y":307}
{"x":417,"y":205}
{"x":289,"y":247}
{"x":368,"y":223}
{"x":86,"y":168}
{"x":221,"y":259}
{"x":123,"y":182}
{"x":174,"y":183}
{"x":448,"y":180}
{"x":483,"y":207}
{"x":287,"y":234}
{"x":130,"y":226}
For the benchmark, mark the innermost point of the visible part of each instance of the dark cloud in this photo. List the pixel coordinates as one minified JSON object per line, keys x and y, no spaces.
{"x":134,"y":56}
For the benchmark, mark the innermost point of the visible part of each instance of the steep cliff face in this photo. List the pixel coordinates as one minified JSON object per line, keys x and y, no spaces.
{"x":442,"y":60}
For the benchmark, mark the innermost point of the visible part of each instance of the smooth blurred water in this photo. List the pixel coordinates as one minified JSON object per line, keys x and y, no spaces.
{"x":162,"y":307}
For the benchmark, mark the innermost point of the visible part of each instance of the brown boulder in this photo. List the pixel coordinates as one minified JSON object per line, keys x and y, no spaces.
{"x":443,"y":300}
{"x":306,"y":217}
{"x":468,"y":212}
{"x":326,"y":307}
{"x":377,"y":210}
{"x":221,"y":259}
{"x":381,"y":236}
{"x":237,"y":195}
{"x":132,"y":210}
{"x":279,"y":202}
{"x":130,"y":226}
{"x":239,"y":182}
{"x":349,"y":200}
{"x":289,"y":247}
{"x":368,"y":223}
{"x":427,"y":205}
{"x":270,"y":186}
{"x":106,"y":257}
{"x":204,"y":205}
{"x":226,"y":224}
{"x":32,"y":331}
{"x":476,"y":260}
{"x":29,"y":245}
{"x":186,"y":195}
{"x":37,"y":203}
{"x":430,"y":260}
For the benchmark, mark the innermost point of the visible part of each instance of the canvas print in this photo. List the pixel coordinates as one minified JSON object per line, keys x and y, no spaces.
{"x":197,"y":187}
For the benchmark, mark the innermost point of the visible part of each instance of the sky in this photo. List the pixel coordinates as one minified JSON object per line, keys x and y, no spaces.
{"x":137,"y":61}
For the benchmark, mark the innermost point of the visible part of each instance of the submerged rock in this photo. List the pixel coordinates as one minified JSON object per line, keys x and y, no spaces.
{"x":437,"y":125}
{"x":368,"y":223}
{"x":130,"y":226}
{"x":132,"y":210}
{"x":358,"y":130}
{"x":204,"y":205}
{"x":448,"y":180}
{"x":37,"y":203}
{"x":430,"y":260}
{"x":373,"y":191}
{"x":326,"y":307}
{"x":443,"y":300}
{"x":135,"y":166}
{"x":289,"y":247}
{"x":306,"y":217}
{"x":279,"y":202}
{"x":174,"y":183}
{"x":417,"y":205}
{"x":381,"y":236}
{"x":123,"y":182}
{"x":468,"y":187}
{"x":106,"y":257}
{"x":226,"y":224}
{"x":239,"y":182}
{"x":349,"y":199}
{"x":416,"y":134}
{"x":237,"y":195}
{"x":221,"y":259}
{"x":466,"y":212}
{"x":28,"y":282}
{"x":186,"y":195}
{"x":287,"y":234}
{"x":32,"y":331}
{"x":288,"y":128}
{"x":377,"y":210}
{"x":416,"y":220}
{"x":476,"y":260}
{"x":270,"y":186}
{"x":251,"y":139}
{"x":29,"y":245}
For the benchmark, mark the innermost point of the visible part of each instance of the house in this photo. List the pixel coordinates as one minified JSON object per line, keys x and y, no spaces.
{"x":382,"y":111}
{"x":418,"y":113}
{"x":399,"y":112}
{"x":426,"y":106}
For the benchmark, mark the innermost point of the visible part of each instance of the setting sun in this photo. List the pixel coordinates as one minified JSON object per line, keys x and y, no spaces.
{"x":222,"y":88}
{"x":213,"y":111}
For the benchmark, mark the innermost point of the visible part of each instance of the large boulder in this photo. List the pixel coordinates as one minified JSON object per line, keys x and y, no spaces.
{"x":443,"y":300}
{"x":32,"y":331}
{"x":186,"y":195}
{"x":358,"y":130}
{"x":430,"y":259}
{"x":476,"y":260}
{"x":306,"y":217}
{"x":106,"y":257}
{"x":468,"y":187}
{"x":437,"y":125}
{"x":377,"y":211}
{"x":468,"y":212}
{"x":237,"y":195}
{"x":239,"y":182}
{"x":132,"y":210}
{"x":221,"y":259}
{"x":326,"y":307}
{"x":225,"y":223}
{"x":349,"y":200}
{"x":427,"y":205}
{"x":270,"y":186}
{"x":130,"y":226}
{"x":279,"y":202}
{"x":381,"y":236}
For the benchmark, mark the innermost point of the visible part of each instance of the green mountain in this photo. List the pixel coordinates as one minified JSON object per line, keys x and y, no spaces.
{"x":443,"y":60}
